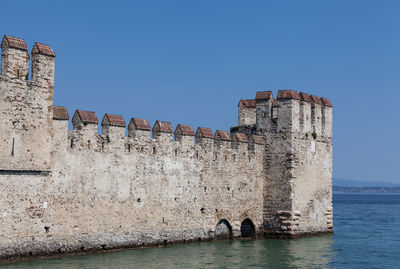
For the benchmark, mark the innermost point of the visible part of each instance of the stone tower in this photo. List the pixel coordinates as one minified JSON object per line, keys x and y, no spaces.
{"x":298,"y":162}
{"x":297,"y":186}
{"x":26,"y":106}
{"x":66,"y":191}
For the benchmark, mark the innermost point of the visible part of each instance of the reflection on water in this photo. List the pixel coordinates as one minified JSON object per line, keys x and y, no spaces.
{"x":266,"y":253}
{"x":313,"y":252}
{"x":366,"y":236}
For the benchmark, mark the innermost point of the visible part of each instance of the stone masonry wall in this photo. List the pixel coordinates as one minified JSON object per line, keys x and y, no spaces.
{"x":104,"y":196}
{"x":298,"y":165}
{"x":76,"y":190}
{"x":26,"y":107}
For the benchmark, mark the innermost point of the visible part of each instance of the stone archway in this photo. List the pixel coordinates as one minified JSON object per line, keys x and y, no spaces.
{"x":223,"y":230}
{"x":247,"y":228}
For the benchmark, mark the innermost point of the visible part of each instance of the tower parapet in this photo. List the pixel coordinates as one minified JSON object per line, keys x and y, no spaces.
{"x":239,"y":139}
{"x":139,"y":128}
{"x":288,"y":111}
{"x":60,"y":129}
{"x":326,"y":117}
{"x":263,"y":110}
{"x":184,"y":133}
{"x":247,"y":112}
{"x":26,"y":107}
{"x":43,"y":65}
{"x":14,"y":58}
{"x":204,"y":135}
{"x":305,"y":113}
{"x":113,"y":126}
{"x":85,"y":126}
{"x":270,"y":175}
{"x":316,"y":114}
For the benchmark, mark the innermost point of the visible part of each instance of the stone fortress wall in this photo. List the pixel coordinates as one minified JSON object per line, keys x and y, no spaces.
{"x":76,"y":190}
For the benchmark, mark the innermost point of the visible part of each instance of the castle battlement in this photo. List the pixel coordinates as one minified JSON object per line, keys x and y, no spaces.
{"x":132,"y":184}
{"x":290,"y":112}
{"x":182,"y":142}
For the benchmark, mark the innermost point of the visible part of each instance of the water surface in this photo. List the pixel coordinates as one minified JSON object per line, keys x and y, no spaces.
{"x":366,"y":236}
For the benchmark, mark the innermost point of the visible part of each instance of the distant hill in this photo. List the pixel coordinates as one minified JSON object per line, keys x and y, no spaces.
{"x":338,"y":189}
{"x":339,"y":182}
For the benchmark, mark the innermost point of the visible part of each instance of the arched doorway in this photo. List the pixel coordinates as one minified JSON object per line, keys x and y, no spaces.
{"x":247,"y":228}
{"x":223,"y":230}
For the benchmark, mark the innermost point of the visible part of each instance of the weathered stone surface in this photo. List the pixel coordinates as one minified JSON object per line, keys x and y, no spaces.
{"x":75,"y":190}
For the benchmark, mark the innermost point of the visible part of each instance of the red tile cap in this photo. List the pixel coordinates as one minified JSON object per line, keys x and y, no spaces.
{"x":247,"y":103}
{"x":205,"y":132}
{"x":288,"y":94}
{"x":240,"y":137}
{"x":163,"y":126}
{"x":60,"y":113}
{"x":326,"y":102}
{"x":87,"y":116}
{"x":315,"y":99}
{"x":305,"y":97}
{"x":222,"y":135}
{"x":113,"y":120}
{"x":44,"y":49}
{"x":185,"y":129}
{"x":258,"y":139}
{"x":140,"y":124}
{"x":14,"y":42}
{"x":275,"y":103}
{"x":265,"y":95}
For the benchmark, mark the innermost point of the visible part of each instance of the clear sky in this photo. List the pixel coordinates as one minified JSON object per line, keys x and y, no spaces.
{"x":191,"y":61}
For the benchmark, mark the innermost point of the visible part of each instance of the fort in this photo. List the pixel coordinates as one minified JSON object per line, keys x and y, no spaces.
{"x":65,"y":191}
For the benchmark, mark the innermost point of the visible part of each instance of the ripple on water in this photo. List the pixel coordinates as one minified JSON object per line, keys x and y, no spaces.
{"x":366,"y":236}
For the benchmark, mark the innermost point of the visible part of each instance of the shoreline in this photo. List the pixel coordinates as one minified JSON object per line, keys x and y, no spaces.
{"x":54,"y":255}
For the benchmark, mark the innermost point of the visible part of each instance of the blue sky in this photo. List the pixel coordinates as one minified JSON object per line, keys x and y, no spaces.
{"x":191,"y":61}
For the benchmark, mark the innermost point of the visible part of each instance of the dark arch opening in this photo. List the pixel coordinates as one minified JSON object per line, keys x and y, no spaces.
{"x":247,"y":228}
{"x":223,"y":230}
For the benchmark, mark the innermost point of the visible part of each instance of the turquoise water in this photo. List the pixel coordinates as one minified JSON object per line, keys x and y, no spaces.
{"x":366,"y":236}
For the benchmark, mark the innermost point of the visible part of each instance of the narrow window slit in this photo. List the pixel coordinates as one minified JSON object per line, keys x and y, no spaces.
{"x":12,"y":149}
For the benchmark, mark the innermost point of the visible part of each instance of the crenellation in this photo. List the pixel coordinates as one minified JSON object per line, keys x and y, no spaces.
{"x":275,"y":107}
{"x":162,"y":129}
{"x":26,"y":111}
{"x":163,"y":142}
{"x":184,"y":136}
{"x":271,"y":170}
{"x":60,"y":129}
{"x":305,"y":113}
{"x":139,"y":128}
{"x":204,"y":135}
{"x":14,"y":58}
{"x":247,"y":112}
{"x":222,"y":139}
{"x":289,"y":111}
{"x":264,"y":100}
{"x":326,"y":117}
{"x":222,"y":146}
{"x":43,"y":66}
{"x":239,"y":140}
{"x":316,"y":115}
{"x":256,"y":143}
{"x":113,"y":127}
{"x":85,"y":124}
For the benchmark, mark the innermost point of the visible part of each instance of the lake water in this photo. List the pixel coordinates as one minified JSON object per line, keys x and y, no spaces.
{"x":366,"y":236}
